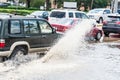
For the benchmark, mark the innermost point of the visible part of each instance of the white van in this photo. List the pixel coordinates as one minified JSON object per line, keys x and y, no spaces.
{"x":58,"y":14}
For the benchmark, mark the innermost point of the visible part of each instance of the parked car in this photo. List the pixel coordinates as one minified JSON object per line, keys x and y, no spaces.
{"x":23,"y":35}
{"x":95,"y":34}
{"x":56,"y":15}
{"x":112,"y":24}
{"x":99,"y":14}
{"x":39,"y":14}
{"x":66,"y":24}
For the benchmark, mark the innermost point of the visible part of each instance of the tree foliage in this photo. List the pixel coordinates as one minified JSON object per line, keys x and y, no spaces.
{"x":37,"y":3}
{"x":85,"y":3}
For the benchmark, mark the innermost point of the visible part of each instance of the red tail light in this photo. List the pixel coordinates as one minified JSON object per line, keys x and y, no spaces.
{"x":118,"y":22}
{"x":64,"y":28}
{"x":2,"y":43}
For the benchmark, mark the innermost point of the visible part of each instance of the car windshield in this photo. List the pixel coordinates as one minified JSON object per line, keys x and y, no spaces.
{"x":57,"y":14}
{"x":96,"y":11}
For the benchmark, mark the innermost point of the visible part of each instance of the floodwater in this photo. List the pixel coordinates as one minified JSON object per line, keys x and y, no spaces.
{"x":71,"y":58}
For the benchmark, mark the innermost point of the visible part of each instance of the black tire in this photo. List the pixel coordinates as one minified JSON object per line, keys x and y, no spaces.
{"x":17,"y":51}
{"x":106,"y":34}
{"x":98,"y":36}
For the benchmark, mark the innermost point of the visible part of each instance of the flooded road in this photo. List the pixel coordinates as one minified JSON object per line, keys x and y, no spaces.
{"x":99,"y":61}
{"x":71,"y":58}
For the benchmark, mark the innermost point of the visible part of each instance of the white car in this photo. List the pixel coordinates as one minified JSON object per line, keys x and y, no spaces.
{"x":57,"y":15}
{"x":99,"y":14}
{"x":39,"y":14}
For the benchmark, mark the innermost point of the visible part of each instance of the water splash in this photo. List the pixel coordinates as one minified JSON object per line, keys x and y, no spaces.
{"x":70,"y":43}
{"x":90,"y":64}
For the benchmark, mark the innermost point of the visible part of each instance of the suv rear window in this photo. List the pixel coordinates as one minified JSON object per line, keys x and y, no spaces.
{"x":57,"y":14}
{"x":113,"y":18}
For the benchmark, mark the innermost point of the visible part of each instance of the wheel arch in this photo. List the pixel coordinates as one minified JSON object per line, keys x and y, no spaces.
{"x":20,"y":43}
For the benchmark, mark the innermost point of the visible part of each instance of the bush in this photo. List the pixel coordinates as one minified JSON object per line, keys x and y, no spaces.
{"x":20,"y":7}
{"x":16,"y":11}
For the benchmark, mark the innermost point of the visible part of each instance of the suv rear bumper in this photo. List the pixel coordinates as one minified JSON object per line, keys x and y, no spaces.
{"x":5,"y":53}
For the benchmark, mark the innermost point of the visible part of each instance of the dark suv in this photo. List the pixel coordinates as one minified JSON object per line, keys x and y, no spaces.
{"x":25,"y":35}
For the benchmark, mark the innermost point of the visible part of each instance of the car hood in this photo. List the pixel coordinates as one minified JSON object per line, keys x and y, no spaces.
{"x":93,"y":13}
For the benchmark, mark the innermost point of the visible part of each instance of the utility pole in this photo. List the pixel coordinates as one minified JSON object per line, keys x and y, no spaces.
{"x":47,"y":4}
{"x":114,"y":6}
{"x":91,"y":4}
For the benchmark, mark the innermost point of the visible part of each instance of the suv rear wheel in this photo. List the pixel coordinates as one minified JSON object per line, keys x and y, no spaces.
{"x":106,"y":34}
{"x":18,"y":52}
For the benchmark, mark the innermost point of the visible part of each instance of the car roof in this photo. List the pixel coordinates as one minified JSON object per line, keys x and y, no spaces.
{"x":19,"y":17}
{"x":67,"y":10}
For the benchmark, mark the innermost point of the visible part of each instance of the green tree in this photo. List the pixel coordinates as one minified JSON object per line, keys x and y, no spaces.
{"x":27,"y":2}
{"x":85,"y":3}
{"x":37,"y":3}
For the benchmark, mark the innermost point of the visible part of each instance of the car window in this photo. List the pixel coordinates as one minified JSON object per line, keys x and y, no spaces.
{"x":30,"y":27}
{"x":33,"y":26}
{"x":14,"y":27}
{"x":26,"y":26}
{"x":45,"y":27}
{"x":113,"y":18}
{"x":107,"y":11}
{"x":118,"y":11}
{"x":57,"y":14}
{"x":70,"y":15}
{"x":78,"y":15}
{"x":96,"y":11}
{"x":84,"y":16}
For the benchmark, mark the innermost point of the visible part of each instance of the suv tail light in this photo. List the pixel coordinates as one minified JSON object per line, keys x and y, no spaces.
{"x":118,"y":22}
{"x":2,"y":43}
